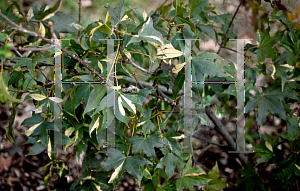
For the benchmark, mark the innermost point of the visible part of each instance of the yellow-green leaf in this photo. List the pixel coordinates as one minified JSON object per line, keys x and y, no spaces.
{"x":38,"y":97}
{"x":269,"y":146}
{"x":115,"y":173}
{"x":178,"y":67}
{"x":56,"y":99}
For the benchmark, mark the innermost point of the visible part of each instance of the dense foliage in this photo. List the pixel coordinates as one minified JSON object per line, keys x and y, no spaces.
{"x":148,"y":92}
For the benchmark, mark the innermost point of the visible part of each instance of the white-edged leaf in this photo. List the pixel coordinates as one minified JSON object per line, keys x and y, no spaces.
{"x":179,"y":137}
{"x":48,"y":16}
{"x":56,"y":99}
{"x":125,"y":18}
{"x":117,"y":88}
{"x":94,"y":29}
{"x":121,"y":109}
{"x":96,"y":124}
{"x":141,"y":123}
{"x":49,"y":148}
{"x":131,"y":105}
{"x":115,"y":173}
{"x":31,"y":129}
{"x":169,"y":51}
{"x":144,"y":15}
{"x":100,"y":66}
{"x":38,"y":97}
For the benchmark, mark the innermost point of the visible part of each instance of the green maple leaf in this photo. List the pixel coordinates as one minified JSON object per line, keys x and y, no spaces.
{"x":172,"y":142}
{"x":169,"y":161}
{"x":131,"y":164}
{"x":82,"y":93}
{"x":138,"y":98}
{"x":269,"y":101}
{"x":204,"y":64}
{"x":265,"y":47}
{"x":39,"y":126}
{"x":116,"y":13}
{"x":95,"y":97}
{"x":149,"y":34}
{"x":216,"y":183}
{"x":146,"y":144}
{"x":250,"y":181}
{"x":197,"y":6}
{"x":293,"y":129}
{"x":190,"y":177}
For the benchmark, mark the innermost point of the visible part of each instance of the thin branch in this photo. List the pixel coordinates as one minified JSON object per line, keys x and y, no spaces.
{"x":225,"y":36}
{"x":32,"y":33}
{"x":169,"y":115}
{"x":208,"y":141}
{"x":229,"y":49}
{"x":166,"y":98}
{"x":128,"y":61}
{"x":39,"y":49}
{"x":219,"y":127}
{"x":47,"y":79}
{"x":19,"y":91}
{"x":149,"y":85}
{"x":38,"y":64}
{"x":13,"y":49}
{"x":125,"y":69}
{"x":209,"y":126}
{"x":137,"y":80}
{"x":50,"y":23}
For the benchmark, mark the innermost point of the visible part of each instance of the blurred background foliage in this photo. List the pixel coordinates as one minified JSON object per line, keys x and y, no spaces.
{"x":91,"y":10}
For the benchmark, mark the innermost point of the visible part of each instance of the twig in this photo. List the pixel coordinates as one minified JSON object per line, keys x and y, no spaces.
{"x":208,"y":141}
{"x":166,"y":98}
{"x":230,"y":49}
{"x":128,"y":61}
{"x":219,"y":127}
{"x":47,"y":79}
{"x":209,"y":126}
{"x":224,"y":38}
{"x":38,"y":64}
{"x":50,"y":23}
{"x":169,"y":115}
{"x":39,"y":49}
{"x":14,"y":49}
{"x":149,"y":85}
{"x":19,"y":91}
{"x":125,"y":69}
{"x":32,"y":33}
{"x":79,"y":18}
{"x":137,"y":80}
